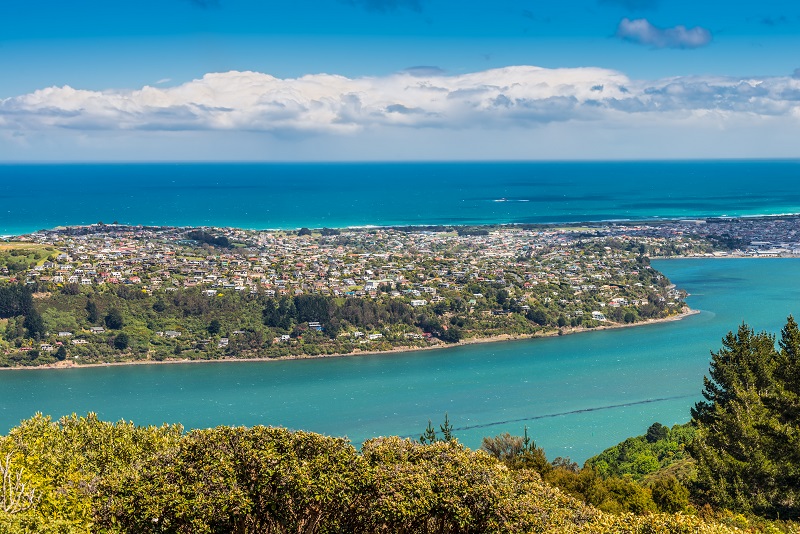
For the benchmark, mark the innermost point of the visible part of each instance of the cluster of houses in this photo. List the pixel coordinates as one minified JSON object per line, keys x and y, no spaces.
{"x":586,"y":272}
{"x":421,"y":267}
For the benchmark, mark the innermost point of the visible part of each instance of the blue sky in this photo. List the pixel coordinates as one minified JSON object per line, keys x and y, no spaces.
{"x":100,"y":55}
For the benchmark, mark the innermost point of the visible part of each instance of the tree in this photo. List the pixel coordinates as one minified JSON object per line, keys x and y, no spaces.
{"x":214,"y":327}
{"x":121,"y":341}
{"x":451,"y":335}
{"x":61,"y":353}
{"x":538,"y":316}
{"x":501,"y":297}
{"x":748,"y":433}
{"x":34,"y":324}
{"x":447,"y":429}
{"x":15,"y":300}
{"x":656,"y":432}
{"x":91,"y":312}
{"x":15,"y":496}
{"x":312,"y":308}
{"x":746,"y":360}
{"x":114,"y":319}
{"x":429,"y":436}
{"x":669,"y":494}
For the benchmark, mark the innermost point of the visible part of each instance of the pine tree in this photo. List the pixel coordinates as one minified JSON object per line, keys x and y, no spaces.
{"x":429,"y":436}
{"x":745,"y":360}
{"x":747,"y":428}
{"x":447,"y":429}
{"x":34,"y":324}
{"x":91,"y":312}
{"x":783,"y":428}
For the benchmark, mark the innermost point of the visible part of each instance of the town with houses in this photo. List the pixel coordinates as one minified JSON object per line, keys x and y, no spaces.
{"x":482,"y":281}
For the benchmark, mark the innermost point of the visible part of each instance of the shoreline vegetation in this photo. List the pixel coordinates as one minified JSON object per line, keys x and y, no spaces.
{"x":112,"y":293}
{"x":68,"y":364}
{"x":731,"y":469}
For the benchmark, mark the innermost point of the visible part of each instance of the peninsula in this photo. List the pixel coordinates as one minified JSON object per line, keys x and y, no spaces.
{"x":123,"y":294}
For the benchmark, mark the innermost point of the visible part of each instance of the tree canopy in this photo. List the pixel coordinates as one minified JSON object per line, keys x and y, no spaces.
{"x":80,"y":474}
{"x":747,"y":444}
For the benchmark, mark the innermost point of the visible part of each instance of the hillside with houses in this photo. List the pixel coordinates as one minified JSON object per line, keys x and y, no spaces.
{"x":117,"y":293}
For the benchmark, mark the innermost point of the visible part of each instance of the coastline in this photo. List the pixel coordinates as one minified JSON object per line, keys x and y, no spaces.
{"x":728,"y":257}
{"x":70,"y":364}
{"x":565,"y":224}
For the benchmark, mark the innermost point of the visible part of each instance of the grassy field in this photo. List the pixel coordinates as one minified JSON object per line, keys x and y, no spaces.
{"x":16,"y":257}
{"x":21,"y":245}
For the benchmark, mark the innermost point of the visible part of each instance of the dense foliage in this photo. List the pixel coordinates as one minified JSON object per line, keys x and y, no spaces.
{"x":659,"y":448}
{"x":747,"y":444}
{"x":80,"y":474}
{"x":209,"y":239}
{"x":125,"y":322}
{"x":609,"y":488}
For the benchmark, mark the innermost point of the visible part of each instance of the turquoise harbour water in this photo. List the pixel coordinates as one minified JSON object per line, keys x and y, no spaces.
{"x":577,"y":394}
{"x":261,"y":196}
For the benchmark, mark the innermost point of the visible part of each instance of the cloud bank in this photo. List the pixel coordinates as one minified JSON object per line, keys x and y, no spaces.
{"x":521,"y":96}
{"x":640,"y":31}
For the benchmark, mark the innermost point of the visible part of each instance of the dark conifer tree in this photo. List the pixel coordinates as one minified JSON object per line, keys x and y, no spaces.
{"x":91,"y":312}
{"x":747,"y":428}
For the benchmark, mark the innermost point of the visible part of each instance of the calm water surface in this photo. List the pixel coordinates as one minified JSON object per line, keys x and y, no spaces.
{"x":577,"y":394}
{"x":345,"y":194}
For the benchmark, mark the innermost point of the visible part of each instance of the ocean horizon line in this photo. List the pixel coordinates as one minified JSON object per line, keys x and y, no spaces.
{"x":396,"y":161}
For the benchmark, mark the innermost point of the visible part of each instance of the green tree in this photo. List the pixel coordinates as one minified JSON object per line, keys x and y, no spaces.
{"x":502,"y":297}
{"x":429,"y":436}
{"x":447,"y":429}
{"x":92,"y":314}
{"x":61,"y":353}
{"x":656,"y":432}
{"x":214,"y":327}
{"x":517,"y":452}
{"x":538,"y":316}
{"x":451,"y":335}
{"x":15,"y":299}
{"x":121,"y":341}
{"x":748,"y":433}
{"x":746,"y":361}
{"x":113,"y":319}
{"x":669,"y":494}
{"x":34,"y":324}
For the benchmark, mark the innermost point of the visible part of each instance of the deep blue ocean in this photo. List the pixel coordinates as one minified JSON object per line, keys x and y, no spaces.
{"x":269,"y":195}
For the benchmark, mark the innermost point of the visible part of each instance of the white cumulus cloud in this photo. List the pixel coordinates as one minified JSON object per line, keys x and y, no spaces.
{"x":521,"y":96}
{"x":641,"y":31}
